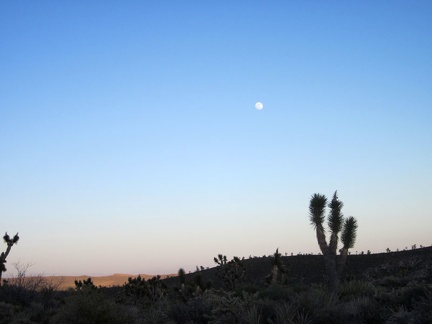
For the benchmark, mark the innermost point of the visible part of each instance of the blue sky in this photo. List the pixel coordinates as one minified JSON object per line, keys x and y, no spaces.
{"x":129,"y":140}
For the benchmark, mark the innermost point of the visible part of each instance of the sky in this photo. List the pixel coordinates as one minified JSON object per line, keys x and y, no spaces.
{"x":130,"y":141}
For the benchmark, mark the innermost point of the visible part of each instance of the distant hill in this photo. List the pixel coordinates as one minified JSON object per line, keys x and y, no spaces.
{"x":65,"y":282}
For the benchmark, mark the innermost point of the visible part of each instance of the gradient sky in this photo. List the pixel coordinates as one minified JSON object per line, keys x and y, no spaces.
{"x":129,"y":140}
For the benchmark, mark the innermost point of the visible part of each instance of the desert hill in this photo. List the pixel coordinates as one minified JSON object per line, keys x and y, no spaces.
{"x":308,"y":269}
{"x":302,"y":269}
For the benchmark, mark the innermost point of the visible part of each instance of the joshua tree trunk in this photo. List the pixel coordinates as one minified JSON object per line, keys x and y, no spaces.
{"x":342,"y":261}
{"x":321,"y":239}
{"x":4,"y":255}
{"x":333,"y":276}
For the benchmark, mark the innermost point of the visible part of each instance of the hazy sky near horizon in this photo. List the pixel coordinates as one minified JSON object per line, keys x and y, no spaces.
{"x":130,"y":142}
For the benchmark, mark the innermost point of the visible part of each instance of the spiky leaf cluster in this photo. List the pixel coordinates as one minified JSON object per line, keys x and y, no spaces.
{"x":10,"y":241}
{"x":316,"y":209}
{"x":220,"y":259}
{"x":349,"y":232}
{"x":336,"y":223}
{"x":335,"y":218}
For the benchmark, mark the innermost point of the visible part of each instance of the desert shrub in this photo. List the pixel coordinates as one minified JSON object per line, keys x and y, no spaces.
{"x":85,"y":285}
{"x":17,"y":314}
{"x":392,"y":282}
{"x":156,"y":314}
{"x":355,"y":289}
{"x":387,"y":300}
{"x":91,"y":306}
{"x":178,"y":312}
{"x":251,"y":315}
{"x":423,"y":308}
{"x":24,"y":290}
{"x":284,"y":313}
{"x":411,"y":293}
{"x":275,"y":292}
{"x":190,"y":289}
{"x":228,"y":307}
{"x":248,"y":288}
{"x":195,"y":310}
{"x":136,"y":289}
{"x":354,"y":310}
{"x":145,"y":291}
{"x":6,"y":312}
{"x":402,"y":316}
{"x":314,"y":303}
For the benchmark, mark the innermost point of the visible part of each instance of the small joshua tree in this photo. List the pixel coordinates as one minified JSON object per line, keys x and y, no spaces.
{"x":10,"y":242}
{"x":145,"y":291}
{"x":190,"y":289}
{"x":278,"y":272}
{"x":85,"y":285}
{"x":231,"y":273}
{"x":336,"y":224}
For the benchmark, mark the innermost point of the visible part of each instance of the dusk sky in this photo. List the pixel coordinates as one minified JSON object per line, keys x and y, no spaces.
{"x":130,"y":141}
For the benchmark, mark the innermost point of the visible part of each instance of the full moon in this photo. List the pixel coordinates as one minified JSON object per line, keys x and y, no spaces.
{"x":259,"y":105}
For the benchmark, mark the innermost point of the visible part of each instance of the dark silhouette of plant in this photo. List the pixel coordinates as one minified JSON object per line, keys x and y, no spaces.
{"x":157,"y":288}
{"x":25,"y":290}
{"x":231,"y":273}
{"x":278,"y":272}
{"x":336,"y":224}
{"x":221,"y":259}
{"x":85,"y":285}
{"x":142,"y":290}
{"x":192,"y":289}
{"x":10,"y":242}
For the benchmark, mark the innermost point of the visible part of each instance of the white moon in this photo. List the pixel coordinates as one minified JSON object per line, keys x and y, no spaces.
{"x":259,"y":105}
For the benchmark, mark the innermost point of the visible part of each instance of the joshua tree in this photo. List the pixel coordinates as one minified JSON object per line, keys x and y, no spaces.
{"x":4,"y":255}
{"x":336,"y":224}
{"x":278,"y":272}
{"x":231,"y":272}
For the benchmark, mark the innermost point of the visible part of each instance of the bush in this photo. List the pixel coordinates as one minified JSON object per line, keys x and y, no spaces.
{"x":355,"y":289}
{"x":91,"y":307}
{"x":195,"y":310}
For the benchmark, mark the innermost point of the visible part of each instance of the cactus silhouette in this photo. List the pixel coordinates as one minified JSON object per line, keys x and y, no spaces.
{"x":336,"y":224}
{"x":278,"y":272}
{"x":188,"y":289}
{"x":230,"y":273}
{"x":10,"y":242}
{"x":145,"y":291}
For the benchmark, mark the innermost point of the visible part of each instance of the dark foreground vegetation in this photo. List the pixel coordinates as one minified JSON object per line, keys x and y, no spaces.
{"x":394,"y":287}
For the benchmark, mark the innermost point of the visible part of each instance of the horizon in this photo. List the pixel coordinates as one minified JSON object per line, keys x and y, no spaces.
{"x":131,"y":140}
